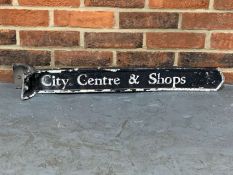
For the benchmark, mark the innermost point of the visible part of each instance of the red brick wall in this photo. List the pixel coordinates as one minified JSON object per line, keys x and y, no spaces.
{"x":110,"y":33}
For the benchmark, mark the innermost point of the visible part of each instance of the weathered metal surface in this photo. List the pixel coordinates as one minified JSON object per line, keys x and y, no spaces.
{"x":119,"y":80}
{"x":19,"y":71}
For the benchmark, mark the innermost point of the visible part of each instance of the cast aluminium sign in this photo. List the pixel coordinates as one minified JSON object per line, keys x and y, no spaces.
{"x":115,"y":80}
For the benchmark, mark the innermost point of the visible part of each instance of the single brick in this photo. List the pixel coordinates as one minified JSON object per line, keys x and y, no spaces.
{"x":13,"y":17}
{"x":207,"y":21}
{"x":179,"y":4}
{"x":71,"y":3}
{"x":145,"y":20}
{"x":85,"y":19}
{"x":223,"y":4}
{"x":31,"y":57}
{"x":6,"y":76}
{"x":83,"y":58}
{"x":49,"y":38}
{"x":5,"y":2}
{"x":175,"y":40}
{"x":194,"y":59}
{"x":115,"y":3}
{"x":145,"y":59}
{"x":228,"y":77}
{"x":222,"y":41}
{"x":7,"y":37}
{"x":113,"y":40}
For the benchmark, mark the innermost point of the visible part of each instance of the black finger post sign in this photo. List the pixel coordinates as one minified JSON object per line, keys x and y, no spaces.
{"x":34,"y":81}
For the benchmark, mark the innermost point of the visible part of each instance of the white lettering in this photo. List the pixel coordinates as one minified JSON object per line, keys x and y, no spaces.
{"x":117,"y":81}
{"x":183,"y":80}
{"x":79,"y":80}
{"x":168,"y":80}
{"x":53,"y":81}
{"x":84,"y":80}
{"x":46,"y":80}
{"x":65,"y":82}
{"x":155,"y":78}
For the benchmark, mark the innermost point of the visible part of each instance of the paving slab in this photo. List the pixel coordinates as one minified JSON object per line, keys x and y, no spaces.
{"x":160,"y":133}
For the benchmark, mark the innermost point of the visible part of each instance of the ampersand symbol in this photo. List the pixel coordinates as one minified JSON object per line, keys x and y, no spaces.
{"x":134,"y":79}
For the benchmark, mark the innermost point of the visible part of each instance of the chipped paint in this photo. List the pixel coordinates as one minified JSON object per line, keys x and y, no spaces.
{"x":77,"y":80}
{"x":112,"y":70}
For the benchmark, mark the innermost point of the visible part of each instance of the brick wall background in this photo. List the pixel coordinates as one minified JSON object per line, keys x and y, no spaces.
{"x":122,"y":33}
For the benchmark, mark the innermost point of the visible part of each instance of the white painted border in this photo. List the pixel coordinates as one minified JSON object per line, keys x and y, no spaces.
{"x":201,"y":89}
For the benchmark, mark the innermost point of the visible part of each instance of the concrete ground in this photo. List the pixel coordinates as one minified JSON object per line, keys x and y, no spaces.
{"x":164,"y":133}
